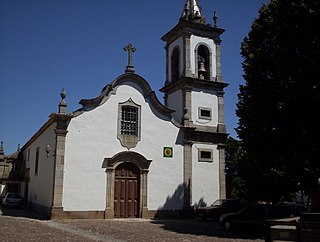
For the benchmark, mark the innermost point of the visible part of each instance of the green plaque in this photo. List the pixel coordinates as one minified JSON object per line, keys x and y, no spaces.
{"x":167,"y":152}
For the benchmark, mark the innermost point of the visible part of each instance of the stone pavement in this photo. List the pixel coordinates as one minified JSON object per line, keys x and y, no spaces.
{"x":18,"y":225}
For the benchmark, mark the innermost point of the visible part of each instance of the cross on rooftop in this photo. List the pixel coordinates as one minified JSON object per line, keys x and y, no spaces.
{"x":130,"y":49}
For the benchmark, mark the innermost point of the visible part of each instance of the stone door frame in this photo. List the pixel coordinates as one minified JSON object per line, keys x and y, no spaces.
{"x":111,"y":164}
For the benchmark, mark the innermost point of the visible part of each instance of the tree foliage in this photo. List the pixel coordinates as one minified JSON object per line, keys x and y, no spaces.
{"x":279,"y":103}
{"x":235,"y":185}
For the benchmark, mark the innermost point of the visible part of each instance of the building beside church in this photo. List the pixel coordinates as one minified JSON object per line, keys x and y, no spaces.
{"x":126,"y":154}
{"x":12,"y":170}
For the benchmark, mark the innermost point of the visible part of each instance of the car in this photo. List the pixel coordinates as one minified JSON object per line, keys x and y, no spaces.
{"x":254,"y":216}
{"x":12,"y":200}
{"x":219,"y":207}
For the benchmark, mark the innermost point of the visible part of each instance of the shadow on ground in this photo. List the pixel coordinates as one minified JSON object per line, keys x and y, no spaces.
{"x":204,"y":228}
{"x":20,"y":212}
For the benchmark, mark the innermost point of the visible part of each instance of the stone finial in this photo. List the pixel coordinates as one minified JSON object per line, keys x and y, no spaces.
{"x":1,"y":152}
{"x":130,"y":49}
{"x":192,"y":12}
{"x":215,"y":20}
{"x":63,"y":104}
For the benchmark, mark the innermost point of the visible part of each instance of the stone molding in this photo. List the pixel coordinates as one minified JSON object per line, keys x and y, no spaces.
{"x":194,"y":83}
{"x":199,"y":29}
{"x":111,"y":164}
{"x":148,"y":93}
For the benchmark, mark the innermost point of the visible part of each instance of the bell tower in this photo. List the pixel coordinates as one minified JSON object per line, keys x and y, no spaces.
{"x":194,"y":88}
{"x":193,"y":66}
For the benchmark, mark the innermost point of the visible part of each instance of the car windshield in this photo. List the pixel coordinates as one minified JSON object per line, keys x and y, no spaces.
{"x":14,"y":195}
{"x":218,"y":202}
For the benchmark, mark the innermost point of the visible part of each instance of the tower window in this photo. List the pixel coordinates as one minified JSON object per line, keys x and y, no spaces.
{"x":205,"y":155}
{"x":203,"y":62}
{"x":175,"y":64}
{"x":205,"y":113}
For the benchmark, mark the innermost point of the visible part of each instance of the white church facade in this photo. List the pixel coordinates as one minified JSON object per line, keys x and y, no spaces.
{"x":124,"y":153}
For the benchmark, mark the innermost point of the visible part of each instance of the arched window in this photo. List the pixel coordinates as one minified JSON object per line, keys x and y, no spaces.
{"x":175,"y":64}
{"x":203,"y":62}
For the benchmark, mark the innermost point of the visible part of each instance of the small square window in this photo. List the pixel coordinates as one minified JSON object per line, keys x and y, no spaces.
{"x":205,"y":113}
{"x":205,"y":155}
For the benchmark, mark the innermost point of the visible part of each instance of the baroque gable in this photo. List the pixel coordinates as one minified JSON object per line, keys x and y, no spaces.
{"x":110,"y":89}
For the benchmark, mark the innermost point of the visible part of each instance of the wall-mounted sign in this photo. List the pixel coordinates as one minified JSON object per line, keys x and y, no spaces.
{"x":168,"y":152}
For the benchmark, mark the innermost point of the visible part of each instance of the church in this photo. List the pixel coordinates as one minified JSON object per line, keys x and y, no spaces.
{"x":124,"y":153}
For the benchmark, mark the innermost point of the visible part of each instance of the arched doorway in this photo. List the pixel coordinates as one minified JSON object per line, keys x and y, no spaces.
{"x":127,"y":179}
{"x":126,"y":191}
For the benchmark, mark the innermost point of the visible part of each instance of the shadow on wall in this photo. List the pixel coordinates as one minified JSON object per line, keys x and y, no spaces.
{"x":176,"y":200}
{"x":200,"y":204}
{"x":174,"y":204}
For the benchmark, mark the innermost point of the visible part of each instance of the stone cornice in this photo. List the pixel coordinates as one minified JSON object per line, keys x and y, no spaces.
{"x":205,"y":135}
{"x":199,"y":29}
{"x":188,"y":82}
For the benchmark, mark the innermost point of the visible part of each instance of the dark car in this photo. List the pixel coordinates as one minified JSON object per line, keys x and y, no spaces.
{"x":254,"y":216}
{"x":219,"y":207}
{"x":12,"y":200}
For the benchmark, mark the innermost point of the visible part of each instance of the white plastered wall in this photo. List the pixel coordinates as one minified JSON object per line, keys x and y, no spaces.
{"x":174,"y":101}
{"x":41,"y":184}
{"x":205,"y":176}
{"x":201,"y":99}
{"x":92,"y":137}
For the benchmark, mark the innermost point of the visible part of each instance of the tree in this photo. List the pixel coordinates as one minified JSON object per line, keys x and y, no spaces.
{"x":235,"y":185}
{"x":279,"y":103}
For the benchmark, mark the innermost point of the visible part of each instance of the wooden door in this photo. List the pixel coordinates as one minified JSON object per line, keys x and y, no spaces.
{"x":126,"y":191}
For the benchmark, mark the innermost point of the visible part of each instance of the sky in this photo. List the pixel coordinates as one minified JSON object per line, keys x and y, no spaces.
{"x":47,"y":45}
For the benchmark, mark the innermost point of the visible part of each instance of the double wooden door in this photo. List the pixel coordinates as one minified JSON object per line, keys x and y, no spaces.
{"x":126,"y":191}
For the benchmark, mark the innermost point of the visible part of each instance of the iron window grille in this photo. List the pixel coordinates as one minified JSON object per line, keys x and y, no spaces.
{"x":129,"y":120}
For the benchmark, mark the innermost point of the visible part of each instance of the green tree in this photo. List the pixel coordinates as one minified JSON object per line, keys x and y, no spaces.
{"x":235,"y":185}
{"x":278,"y":106}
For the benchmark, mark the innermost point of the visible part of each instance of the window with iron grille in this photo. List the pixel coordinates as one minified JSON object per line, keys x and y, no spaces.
{"x":129,"y":120}
{"x":129,"y":123}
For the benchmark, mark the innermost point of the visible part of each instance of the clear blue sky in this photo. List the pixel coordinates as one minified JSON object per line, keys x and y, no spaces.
{"x":47,"y":45}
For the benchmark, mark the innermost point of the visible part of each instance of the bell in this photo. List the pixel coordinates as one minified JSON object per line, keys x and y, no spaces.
{"x":202,"y":67}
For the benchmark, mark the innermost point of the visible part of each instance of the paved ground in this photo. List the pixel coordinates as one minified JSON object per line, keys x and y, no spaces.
{"x":17,"y":225}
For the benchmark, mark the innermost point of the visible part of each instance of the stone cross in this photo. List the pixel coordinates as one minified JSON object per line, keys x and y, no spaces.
{"x":130,"y":49}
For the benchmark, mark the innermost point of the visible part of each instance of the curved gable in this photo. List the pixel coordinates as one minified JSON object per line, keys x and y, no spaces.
{"x":147,"y":92}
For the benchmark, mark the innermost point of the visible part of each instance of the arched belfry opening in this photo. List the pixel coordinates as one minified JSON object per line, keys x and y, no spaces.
{"x":127,"y":177}
{"x":175,"y":64}
{"x":203,"y":62}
